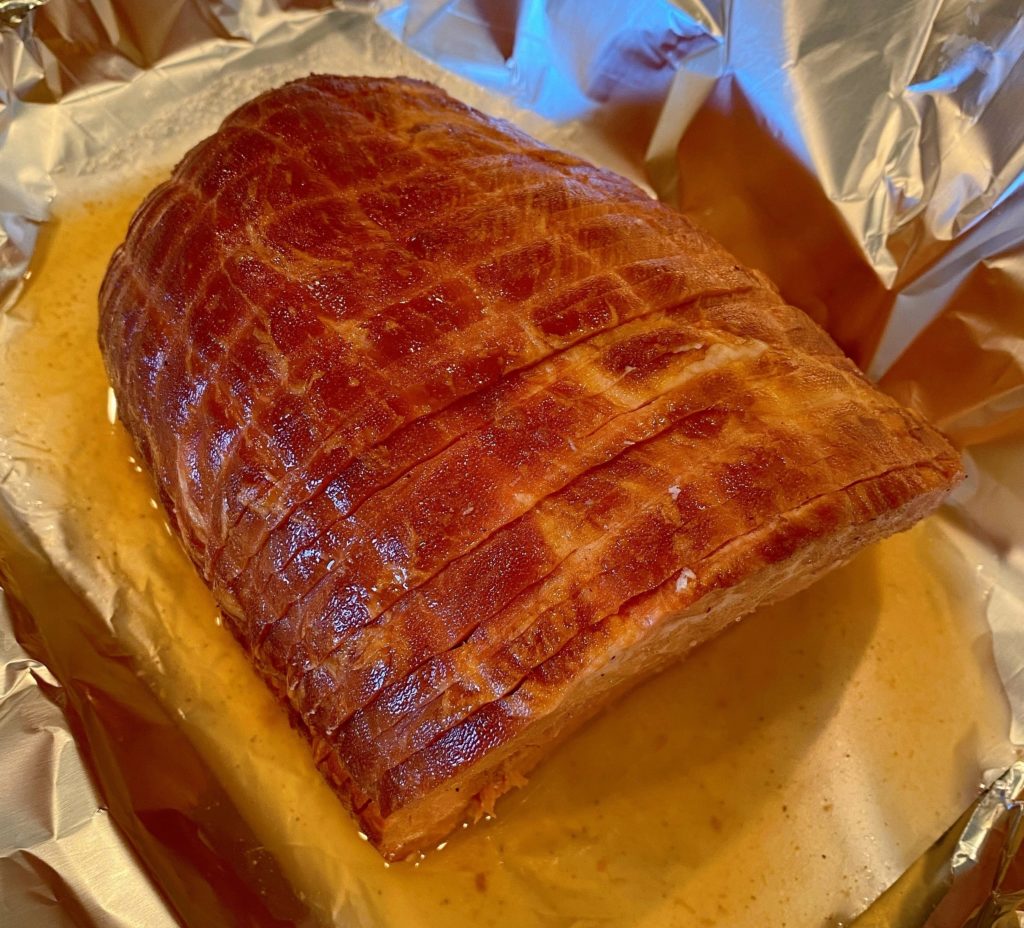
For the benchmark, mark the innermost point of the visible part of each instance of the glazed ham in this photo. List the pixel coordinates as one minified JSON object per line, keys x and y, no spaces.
{"x":468,"y":435}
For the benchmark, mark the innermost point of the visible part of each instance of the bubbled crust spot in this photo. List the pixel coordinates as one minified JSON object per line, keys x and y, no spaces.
{"x":447,"y":419}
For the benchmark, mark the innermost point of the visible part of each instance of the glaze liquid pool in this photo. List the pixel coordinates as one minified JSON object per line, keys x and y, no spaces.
{"x":784,"y":775}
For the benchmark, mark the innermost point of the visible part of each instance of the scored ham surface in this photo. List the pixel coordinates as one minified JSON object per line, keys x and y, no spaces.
{"x":467,"y":435}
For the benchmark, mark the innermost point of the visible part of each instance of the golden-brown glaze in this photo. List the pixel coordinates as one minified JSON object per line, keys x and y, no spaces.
{"x":467,"y":435}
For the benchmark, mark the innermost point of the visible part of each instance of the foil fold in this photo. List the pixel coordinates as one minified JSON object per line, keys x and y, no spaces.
{"x":987,"y":866}
{"x":62,"y":858}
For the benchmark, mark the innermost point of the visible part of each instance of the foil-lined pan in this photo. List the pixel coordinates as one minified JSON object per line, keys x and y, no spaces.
{"x":869,"y":157}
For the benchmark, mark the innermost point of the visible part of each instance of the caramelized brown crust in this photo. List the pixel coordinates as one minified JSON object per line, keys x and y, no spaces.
{"x":467,"y":435}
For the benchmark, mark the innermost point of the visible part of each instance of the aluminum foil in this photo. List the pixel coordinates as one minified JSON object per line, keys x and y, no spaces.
{"x":869,"y":157}
{"x":59,"y":849}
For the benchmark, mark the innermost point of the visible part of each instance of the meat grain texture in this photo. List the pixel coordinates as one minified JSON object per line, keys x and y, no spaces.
{"x":468,"y":435}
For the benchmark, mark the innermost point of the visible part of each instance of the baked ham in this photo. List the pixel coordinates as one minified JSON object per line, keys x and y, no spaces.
{"x":467,"y":435}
